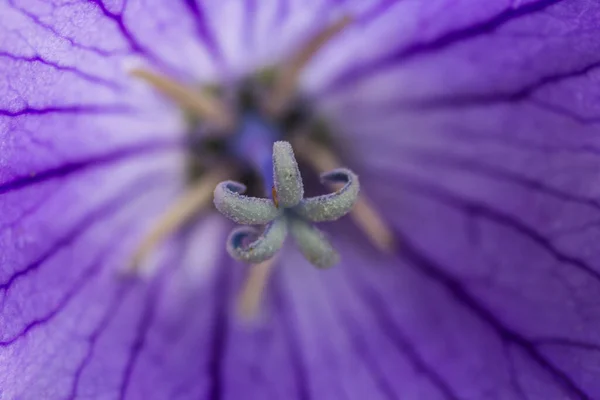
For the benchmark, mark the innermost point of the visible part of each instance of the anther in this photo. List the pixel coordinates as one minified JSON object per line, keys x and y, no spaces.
{"x":288,"y":75}
{"x":363,"y":213}
{"x":192,"y":202}
{"x":210,"y":109}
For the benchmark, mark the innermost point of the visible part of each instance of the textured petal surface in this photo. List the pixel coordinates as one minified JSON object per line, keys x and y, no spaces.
{"x":486,"y":163}
{"x":474,"y":128}
{"x":88,"y":160}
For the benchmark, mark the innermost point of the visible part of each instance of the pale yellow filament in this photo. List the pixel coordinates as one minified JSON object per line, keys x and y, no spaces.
{"x":251,"y":294}
{"x":210,"y":109}
{"x":288,"y":74}
{"x":197,"y":198}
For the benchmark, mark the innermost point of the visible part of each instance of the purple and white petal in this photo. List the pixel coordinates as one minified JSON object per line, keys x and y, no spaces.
{"x":487,"y":163}
{"x":473,"y":124}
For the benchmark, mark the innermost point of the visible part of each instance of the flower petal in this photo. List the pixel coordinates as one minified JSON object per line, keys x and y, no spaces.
{"x":493,"y":161}
{"x":251,"y":245}
{"x":288,"y":182}
{"x":486,"y":162}
{"x":331,"y":207}
{"x":313,"y":244}
{"x":243,"y":209}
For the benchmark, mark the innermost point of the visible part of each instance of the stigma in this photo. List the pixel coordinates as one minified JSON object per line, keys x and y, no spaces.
{"x":290,"y":213}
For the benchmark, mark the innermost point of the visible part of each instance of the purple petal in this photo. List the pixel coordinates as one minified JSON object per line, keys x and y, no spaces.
{"x":486,"y":163}
{"x":472,"y":124}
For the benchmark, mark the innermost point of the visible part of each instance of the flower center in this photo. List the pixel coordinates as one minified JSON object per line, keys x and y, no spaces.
{"x":235,"y":135}
{"x":248,"y":144}
{"x":287,"y":210}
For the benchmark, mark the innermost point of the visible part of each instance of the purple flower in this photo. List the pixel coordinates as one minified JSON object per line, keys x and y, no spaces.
{"x":468,"y":268}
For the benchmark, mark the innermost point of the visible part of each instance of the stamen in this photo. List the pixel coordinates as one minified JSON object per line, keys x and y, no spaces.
{"x":197,"y":198}
{"x":208,"y":108}
{"x":250,"y":245}
{"x":313,"y":244}
{"x":287,"y":179}
{"x":331,"y":207}
{"x":363,"y":213}
{"x":288,"y":75}
{"x":244,"y":210}
{"x":252,"y":292}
